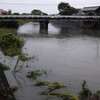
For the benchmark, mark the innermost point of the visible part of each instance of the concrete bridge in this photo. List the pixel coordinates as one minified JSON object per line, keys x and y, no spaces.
{"x":45,"y":19}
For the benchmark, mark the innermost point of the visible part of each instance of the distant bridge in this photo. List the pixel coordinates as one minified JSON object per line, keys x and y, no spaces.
{"x":44,"y":19}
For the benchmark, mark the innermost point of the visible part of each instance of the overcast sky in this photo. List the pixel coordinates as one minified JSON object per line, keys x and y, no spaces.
{"x":48,"y":6}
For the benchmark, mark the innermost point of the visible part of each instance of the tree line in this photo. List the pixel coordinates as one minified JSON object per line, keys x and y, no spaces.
{"x":63,"y":7}
{"x":33,"y":12}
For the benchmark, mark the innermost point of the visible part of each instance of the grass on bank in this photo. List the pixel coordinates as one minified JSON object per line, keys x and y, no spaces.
{"x":4,"y":67}
{"x":7,"y":30}
{"x":7,"y":93}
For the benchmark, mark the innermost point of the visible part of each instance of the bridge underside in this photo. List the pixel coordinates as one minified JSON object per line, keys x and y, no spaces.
{"x":44,"y":24}
{"x":89,"y":24}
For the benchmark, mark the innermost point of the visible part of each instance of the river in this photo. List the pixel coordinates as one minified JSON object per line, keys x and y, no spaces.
{"x":69,"y":55}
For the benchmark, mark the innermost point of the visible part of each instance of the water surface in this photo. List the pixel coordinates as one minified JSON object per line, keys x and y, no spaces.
{"x":69,"y":55}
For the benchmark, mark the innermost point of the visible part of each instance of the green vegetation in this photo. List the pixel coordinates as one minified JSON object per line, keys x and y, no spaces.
{"x":97,"y":95}
{"x":38,"y":12}
{"x":52,"y":87}
{"x":34,"y":74}
{"x":85,"y":93}
{"x":15,"y":88}
{"x":66,"y":9}
{"x":7,"y":93}
{"x":9,"y":12}
{"x":11,"y":45}
{"x":7,"y":30}
{"x":25,"y":14}
{"x":9,"y":24}
{"x":16,"y":13}
{"x":42,"y":83}
{"x":22,"y":22}
{"x":4,"y":67}
{"x":64,"y":96}
{"x":12,"y":24}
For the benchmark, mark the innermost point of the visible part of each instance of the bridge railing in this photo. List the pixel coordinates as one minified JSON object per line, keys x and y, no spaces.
{"x":48,"y":16}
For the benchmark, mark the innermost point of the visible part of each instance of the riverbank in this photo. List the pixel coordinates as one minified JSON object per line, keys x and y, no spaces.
{"x":6,"y":92}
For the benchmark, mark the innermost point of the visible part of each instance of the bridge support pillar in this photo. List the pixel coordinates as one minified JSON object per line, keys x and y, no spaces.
{"x":44,"y":24}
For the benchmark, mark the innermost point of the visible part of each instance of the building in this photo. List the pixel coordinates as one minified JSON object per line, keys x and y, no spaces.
{"x":1,"y":10}
{"x":94,"y":10}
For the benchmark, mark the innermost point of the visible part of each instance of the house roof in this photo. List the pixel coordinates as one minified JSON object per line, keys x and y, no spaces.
{"x":90,"y":8}
{"x":1,"y":10}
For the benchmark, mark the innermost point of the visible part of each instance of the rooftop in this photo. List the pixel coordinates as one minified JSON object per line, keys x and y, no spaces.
{"x":1,"y":10}
{"x":93,"y":8}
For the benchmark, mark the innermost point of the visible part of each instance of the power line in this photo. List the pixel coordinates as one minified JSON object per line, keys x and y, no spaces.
{"x":26,"y":4}
{"x":92,"y":3}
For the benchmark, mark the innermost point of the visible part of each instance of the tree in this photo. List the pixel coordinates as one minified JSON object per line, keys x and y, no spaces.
{"x":38,"y":12}
{"x":63,"y":6}
{"x":15,"y":13}
{"x":24,"y":14}
{"x":4,"y":13}
{"x":66,"y":9}
{"x":7,"y":12}
{"x":45,"y":13}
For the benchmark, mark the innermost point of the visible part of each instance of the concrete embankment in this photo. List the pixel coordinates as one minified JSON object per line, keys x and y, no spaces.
{"x":5,"y":90}
{"x":3,"y":79}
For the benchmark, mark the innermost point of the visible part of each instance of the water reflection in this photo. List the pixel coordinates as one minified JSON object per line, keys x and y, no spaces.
{"x":29,"y":28}
{"x":91,"y":32}
{"x":43,"y":32}
{"x":32,"y":29}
